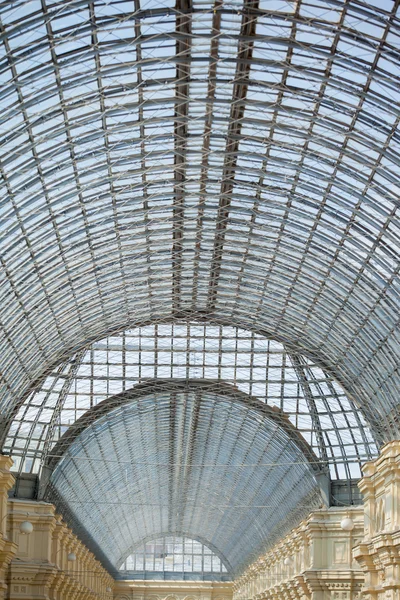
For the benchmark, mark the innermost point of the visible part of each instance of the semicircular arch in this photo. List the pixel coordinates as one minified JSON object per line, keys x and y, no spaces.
{"x":257,"y":366}
{"x":186,"y":460}
{"x":171,"y":386}
{"x":187,"y":535}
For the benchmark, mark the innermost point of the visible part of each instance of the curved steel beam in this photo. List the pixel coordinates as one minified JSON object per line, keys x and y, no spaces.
{"x":173,"y":386}
{"x":204,"y":317}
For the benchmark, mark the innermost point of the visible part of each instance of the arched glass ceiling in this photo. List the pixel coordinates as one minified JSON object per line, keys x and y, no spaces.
{"x":189,"y":462}
{"x":175,"y":555}
{"x":315,"y":404}
{"x":233,"y":161}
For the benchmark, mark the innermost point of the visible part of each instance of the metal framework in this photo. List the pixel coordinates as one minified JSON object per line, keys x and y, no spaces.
{"x":213,"y":164}
{"x":189,"y":462}
{"x":228,"y":360}
{"x":235,"y":161}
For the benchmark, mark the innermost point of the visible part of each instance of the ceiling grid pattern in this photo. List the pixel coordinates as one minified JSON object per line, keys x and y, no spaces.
{"x":192,"y":462}
{"x":166,"y":355}
{"x":226,"y":161}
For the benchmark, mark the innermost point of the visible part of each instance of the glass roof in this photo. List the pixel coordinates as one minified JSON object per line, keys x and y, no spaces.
{"x":232,"y":160}
{"x":230,"y":164}
{"x":144,"y":418}
{"x":191,"y":462}
{"x":264,"y":369}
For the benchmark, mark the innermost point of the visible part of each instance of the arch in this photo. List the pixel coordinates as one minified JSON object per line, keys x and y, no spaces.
{"x":259,"y":367}
{"x":171,"y":386}
{"x":187,"y":461}
{"x":292,"y":346}
{"x":187,"y":536}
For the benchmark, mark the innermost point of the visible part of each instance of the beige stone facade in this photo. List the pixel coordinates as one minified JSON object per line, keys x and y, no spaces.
{"x":314,"y":561}
{"x":8,"y":548}
{"x":379,"y":552}
{"x":41,"y":568}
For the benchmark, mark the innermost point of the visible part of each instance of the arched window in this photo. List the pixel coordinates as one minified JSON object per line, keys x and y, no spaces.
{"x":174,"y":554}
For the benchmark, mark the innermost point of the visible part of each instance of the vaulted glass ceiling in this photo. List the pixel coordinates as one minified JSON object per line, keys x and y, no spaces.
{"x":190,"y":461}
{"x":228,"y":163}
{"x":229,"y":160}
{"x":160,"y":354}
{"x":172,"y":554}
{"x":142,"y":419}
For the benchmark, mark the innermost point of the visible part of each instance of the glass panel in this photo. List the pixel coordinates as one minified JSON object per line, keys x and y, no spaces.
{"x":314,"y":402}
{"x":166,"y":555}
